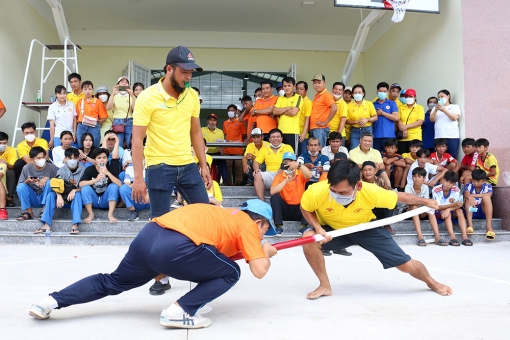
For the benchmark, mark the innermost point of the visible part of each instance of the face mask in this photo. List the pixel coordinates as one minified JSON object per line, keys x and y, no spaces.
{"x":30,"y":138}
{"x":3,"y":147}
{"x":442,"y":101}
{"x":103,"y":97}
{"x":313,"y":154}
{"x":72,"y":163}
{"x":281,"y":93}
{"x":276,"y":146}
{"x":341,"y":199}
{"x":432,"y":106}
{"x":336,"y":96}
{"x":40,"y":162}
{"x":409,"y":101}
{"x":211,"y":127}
{"x":402,"y":100}
{"x":123,"y":92}
{"x":382,"y":95}
{"x":231,"y":114}
{"x":289,"y":172}
{"x":358,"y":97}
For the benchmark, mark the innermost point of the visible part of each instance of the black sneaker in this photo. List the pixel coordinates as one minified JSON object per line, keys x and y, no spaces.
{"x":303,"y":229}
{"x":326,"y":252}
{"x":133,"y":215}
{"x":343,"y":252}
{"x":279,"y":230}
{"x":159,"y":288}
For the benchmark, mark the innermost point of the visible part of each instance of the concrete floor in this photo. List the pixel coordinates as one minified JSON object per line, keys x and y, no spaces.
{"x":368,"y":302}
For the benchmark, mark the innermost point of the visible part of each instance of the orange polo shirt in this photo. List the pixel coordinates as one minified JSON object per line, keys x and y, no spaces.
{"x":293,"y":190}
{"x":265,"y":122}
{"x":94,"y":109}
{"x":321,"y":109}
{"x":234,"y":132}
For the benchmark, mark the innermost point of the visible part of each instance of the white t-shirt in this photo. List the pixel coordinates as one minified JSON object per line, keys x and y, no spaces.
{"x":63,"y":116}
{"x":430,"y":168}
{"x":444,"y":127}
{"x":327,"y":151}
{"x":58,"y":155}
{"x":424,"y":190}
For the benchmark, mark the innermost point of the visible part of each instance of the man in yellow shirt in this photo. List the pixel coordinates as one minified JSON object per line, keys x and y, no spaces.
{"x":304,"y":115}
{"x":76,"y":94}
{"x":251,"y":152}
{"x":29,"y":131}
{"x":212,"y":133}
{"x":344,"y":201}
{"x":288,"y":108}
{"x":337,"y":124}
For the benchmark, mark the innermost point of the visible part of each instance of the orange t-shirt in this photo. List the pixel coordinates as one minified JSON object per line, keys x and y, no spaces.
{"x":234,"y":132}
{"x":230,"y":230}
{"x":320,"y":109}
{"x":292,"y":191}
{"x":324,"y":176}
{"x":2,"y":106}
{"x":93,"y":109}
{"x":265,"y":122}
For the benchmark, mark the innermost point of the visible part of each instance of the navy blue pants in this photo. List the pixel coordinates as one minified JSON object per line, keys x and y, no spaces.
{"x":158,"y":250}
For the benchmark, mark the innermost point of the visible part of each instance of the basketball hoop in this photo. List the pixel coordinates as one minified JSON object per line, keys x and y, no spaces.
{"x":399,"y":8}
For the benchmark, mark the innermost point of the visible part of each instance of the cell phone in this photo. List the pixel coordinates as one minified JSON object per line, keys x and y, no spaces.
{"x":285,"y":167}
{"x":33,"y":177}
{"x":123,"y":88}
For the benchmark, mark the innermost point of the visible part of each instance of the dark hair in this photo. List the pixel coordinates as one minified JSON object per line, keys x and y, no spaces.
{"x":36,"y":150}
{"x":289,"y":80}
{"x":28,"y":125}
{"x":274,"y":131}
{"x":468,"y":141}
{"x":428,"y":100}
{"x":196,"y":89}
{"x":305,"y":84}
{"x":451,"y":176}
{"x":73,"y":75}
{"x":98,"y":151}
{"x":391,"y":142}
{"x":255,"y":216}
{"x":383,"y":84}
{"x":339,"y":83}
{"x":266,"y":82}
{"x":423,"y":152}
{"x":85,"y":135}
{"x":342,"y":170}
{"x":440,"y":141}
{"x":258,"y":89}
{"x":135,"y":85}
{"x":420,"y":172}
{"x":415,"y":142}
{"x":72,"y":152}
{"x":246,"y":98}
{"x":60,"y":88}
{"x":3,"y":136}
{"x":361,"y":87}
{"x":63,"y":133}
{"x":109,"y":131}
{"x":87,"y":83}
{"x":447,"y":93}
{"x":232,"y":105}
{"x":482,"y":142}
{"x":367,"y":134}
{"x":479,"y":175}
{"x":172,"y":65}
{"x":335,"y":135}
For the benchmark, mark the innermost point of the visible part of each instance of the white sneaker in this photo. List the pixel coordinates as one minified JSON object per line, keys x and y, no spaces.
{"x":183,"y":320}
{"x":40,"y":310}
{"x":176,"y":205}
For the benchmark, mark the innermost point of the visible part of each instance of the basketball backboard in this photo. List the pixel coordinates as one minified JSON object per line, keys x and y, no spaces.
{"x":427,"y":6}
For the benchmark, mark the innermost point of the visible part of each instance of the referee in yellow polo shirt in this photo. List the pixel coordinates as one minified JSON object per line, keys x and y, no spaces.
{"x":344,"y":201}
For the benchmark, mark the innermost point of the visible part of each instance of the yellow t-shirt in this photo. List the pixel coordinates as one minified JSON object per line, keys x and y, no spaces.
{"x":72,"y":97}
{"x":168,"y":122}
{"x":414,"y":113}
{"x":358,"y":156}
{"x":213,"y":136}
{"x":23,"y":148}
{"x":341,"y":112}
{"x":121,"y":105}
{"x":357,"y":112}
{"x":208,"y":159}
{"x":251,"y":148}
{"x":408,"y":155}
{"x":317,"y":199}
{"x":306,"y":111}
{"x":288,"y":124}
{"x":215,"y":191}
{"x":9,"y":155}
{"x":272,"y":159}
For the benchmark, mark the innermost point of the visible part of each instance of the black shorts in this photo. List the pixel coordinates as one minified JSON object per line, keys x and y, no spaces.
{"x":378,"y":241}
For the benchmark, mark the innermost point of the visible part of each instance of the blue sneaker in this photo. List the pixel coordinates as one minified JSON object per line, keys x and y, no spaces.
{"x":279,"y":231}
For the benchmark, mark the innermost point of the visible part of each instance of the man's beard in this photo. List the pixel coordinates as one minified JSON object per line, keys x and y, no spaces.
{"x":175,"y":85}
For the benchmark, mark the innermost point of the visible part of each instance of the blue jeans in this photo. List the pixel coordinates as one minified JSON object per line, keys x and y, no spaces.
{"x":128,"y":130}
{"x":302,"y":146}
{"x":161,"y":180}
{"x":453,"y":146}
{"x":125,"y":193}
{"x":51,"y":203}
{"x":356,"y":135}
{"x":95,"y":131}
{"x":321,"y":134}
{"x":28,"y":197}
{"x":378,"y":143}
{"x":88,"y":196}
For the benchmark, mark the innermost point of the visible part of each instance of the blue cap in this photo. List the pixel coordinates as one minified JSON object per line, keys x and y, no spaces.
{"x":289,"y":155}
{"x":279,"y":85}
{"x":183,"y":58}
{"x":263,"y":209}
{"x":403,"y":92}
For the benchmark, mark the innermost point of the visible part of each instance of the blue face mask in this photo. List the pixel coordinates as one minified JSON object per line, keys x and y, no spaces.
{"x":442,"y":101}
{"x":341,"y":199}
{"x":402,"y":100}
{"x":382,"y":95}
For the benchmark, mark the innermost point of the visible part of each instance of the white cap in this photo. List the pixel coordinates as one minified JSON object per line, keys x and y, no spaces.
{"x":256,"y":131}
{"x":348,"y":88}
{"x":239,"y":107}
{"x":118,"y":80}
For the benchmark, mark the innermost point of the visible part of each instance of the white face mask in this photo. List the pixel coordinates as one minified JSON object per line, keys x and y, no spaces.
{"x":231,"y":114}
{"x":103,"y":97}
{"x":409,"y":101}
{"x":281,"y":93}
{"x":30,"y":138}
{"x":211,"y":127}
{"x":313,"y":154}
{"x":358,"y":97}
{"x":72,"y":163}
{"x":341,"y":199}
{"x":337,"y":96}
{"x":3,"y":147}
{"x":40,"y":162}
{"x":276,"y":146}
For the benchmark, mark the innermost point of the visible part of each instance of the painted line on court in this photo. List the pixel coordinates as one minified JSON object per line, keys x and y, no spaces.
{"x":60,"y":258}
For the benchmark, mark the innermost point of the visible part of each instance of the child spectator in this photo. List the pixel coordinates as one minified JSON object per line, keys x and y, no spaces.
{"x":335,"y":146}
{"x":443,"y":158}
{"x":8,"y":157}
{"x":468,"y":163}
{"x":423,"y":161}
{"x":487,"y":161}
{"x":478,"y":203}
{"x":394,"y":164}
{"x":126,"y":189}
{"x":420,"y":189}
{"x":410,"y":157}
{"x":23,"y":148}
{"x":58,"y":153}
{"x":449,"y":199}
{"x":91,"y":113}
{"x":61,"y":115}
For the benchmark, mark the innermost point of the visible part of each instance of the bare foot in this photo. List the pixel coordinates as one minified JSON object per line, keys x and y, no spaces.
{"x":320,"y":291}
{"x":112,"y":219}
{"x":89,"y":218}
{"x":441,"y":289}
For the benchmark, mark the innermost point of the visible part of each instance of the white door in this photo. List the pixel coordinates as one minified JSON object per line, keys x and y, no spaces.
{"x":137,"y":73}
{"x":292,"y":71}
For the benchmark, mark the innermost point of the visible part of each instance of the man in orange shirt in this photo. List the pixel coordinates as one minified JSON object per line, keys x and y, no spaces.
{"x":235,"y":131}
{"x":263,"y":109}
{"x":286,"y":191}
{"x":323,"y":110}
{"x":193,"y":243}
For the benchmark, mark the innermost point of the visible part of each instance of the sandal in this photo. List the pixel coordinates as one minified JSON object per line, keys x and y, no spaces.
{"x":454,"y":242}
{"x":74,"y":231}
{"x":24,"y":216}
{"x":490,"y":236}
{"x":470,"y":230}
{"x":422,"y":243}
{"x":467,"y":242}
{"x":441,"y":242}
{"x":40,"y":230}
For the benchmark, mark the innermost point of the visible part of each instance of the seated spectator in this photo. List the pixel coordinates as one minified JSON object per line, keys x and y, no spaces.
{"x":122,"y":102}
{"x":214,"y":193}
{"x":443,"y":158}
{"x":33,"y":184}
{"x":420,"y":189}
{"x":364,"y":152}
{"x":126,"y":189}
{"x":468,"y":164}
{"x":87,"y":140}
{"x":91,"y":113}
{"x":339,"y":156}
{"x":251,"y":152}
{"x":235,"y":131}
{"x":100,"y":184}
{"x":394,"y":164}
{"x":271,"y":155}
{"x":478,"y":203}
{"x":410,"y":157}
{"x":70,"y":174}
{"x":110,"y":141}
{"x":434,"y":172}
{"x":212,"y":134}
{"x":8,"y":158}
{"x":58,"y":152}
{"x":487,"y":161}
{"x":208,"y":158}
{"x":335,"y":146}
{"x":286,"y":190}
{"x":287,"y":109}
{"x":61,"y":115}
{"x":104,"y":96}
{"x":23,"y":148}
{"x":387,"y":112}
{"x":360,"y":116}
{"x":449,"y":199}
{"x":314,"y":161}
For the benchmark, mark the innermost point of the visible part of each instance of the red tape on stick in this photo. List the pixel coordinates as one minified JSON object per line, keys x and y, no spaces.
{"x":284,"y":245}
